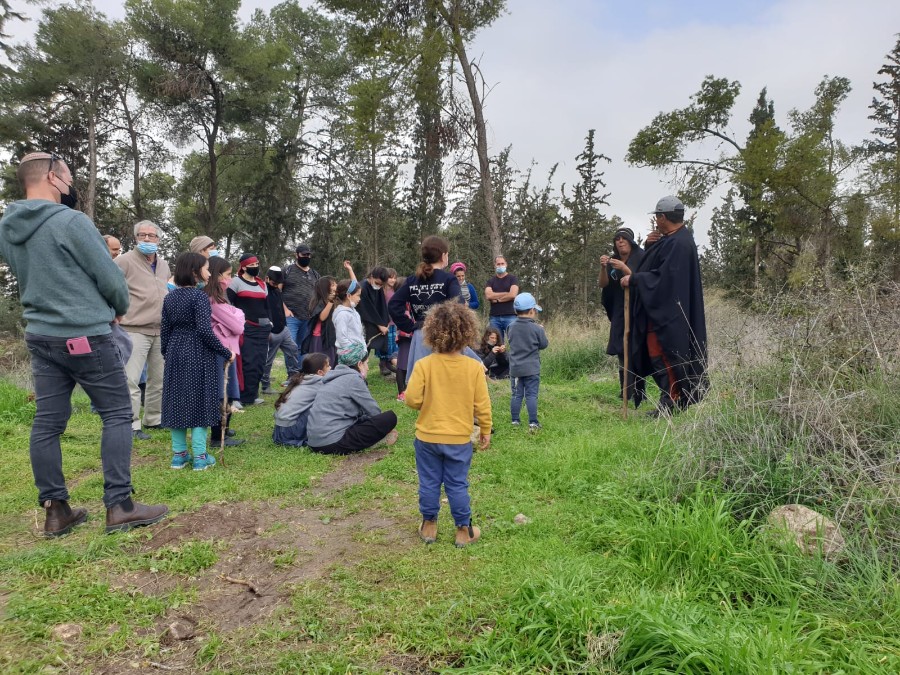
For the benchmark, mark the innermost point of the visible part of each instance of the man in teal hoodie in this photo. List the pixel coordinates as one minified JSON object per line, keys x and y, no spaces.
{"x":71,"y":291}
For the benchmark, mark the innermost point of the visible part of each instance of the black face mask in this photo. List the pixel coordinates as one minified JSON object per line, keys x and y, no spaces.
{"x":251,"y":271}
{"x":69,"y":198}
{"x":303,"y":262}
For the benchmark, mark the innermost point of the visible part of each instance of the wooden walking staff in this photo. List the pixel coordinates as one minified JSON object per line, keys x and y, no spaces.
{"x":626,"y":350}
{"x":224,"y":420}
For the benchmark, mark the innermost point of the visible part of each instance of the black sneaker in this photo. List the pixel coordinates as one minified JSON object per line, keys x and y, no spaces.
{"x":230,"y":432}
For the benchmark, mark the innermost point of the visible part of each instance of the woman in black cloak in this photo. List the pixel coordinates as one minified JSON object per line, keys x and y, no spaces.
{"x":622,"y":262}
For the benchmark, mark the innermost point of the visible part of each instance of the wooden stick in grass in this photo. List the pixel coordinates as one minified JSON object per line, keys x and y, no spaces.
{"x":625,"y":350}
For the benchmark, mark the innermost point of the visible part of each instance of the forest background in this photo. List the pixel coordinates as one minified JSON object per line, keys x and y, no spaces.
{"x":360,"y":127}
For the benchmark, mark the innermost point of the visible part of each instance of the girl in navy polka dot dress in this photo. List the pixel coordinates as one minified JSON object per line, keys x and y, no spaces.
{"x":192,"y":395}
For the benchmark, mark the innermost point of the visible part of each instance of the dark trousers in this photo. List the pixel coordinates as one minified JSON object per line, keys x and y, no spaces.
{"x":254,"y":348}
{"x":362,"y":435}
{"x":525,"y":387}
{"x":663,"y":373}
{"x":102,"y":376}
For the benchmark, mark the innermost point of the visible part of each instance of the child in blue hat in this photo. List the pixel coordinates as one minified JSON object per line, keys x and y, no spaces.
{"x":526,"y":339}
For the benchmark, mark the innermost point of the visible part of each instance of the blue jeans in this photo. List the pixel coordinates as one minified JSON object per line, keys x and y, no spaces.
{"x":439,"y":463}
{"x":524,"y":387}
{"x":102,"y":376}
{"x":502,"y":323}
{"x":288,"y":347}
{"x":299,"y":329}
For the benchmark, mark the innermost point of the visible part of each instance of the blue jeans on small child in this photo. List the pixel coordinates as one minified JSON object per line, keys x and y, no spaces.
{"x":438,"y":463}
{"x":524,"y":387}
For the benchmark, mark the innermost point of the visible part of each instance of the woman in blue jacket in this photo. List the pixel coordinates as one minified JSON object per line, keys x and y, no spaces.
{"x":467,"y":290}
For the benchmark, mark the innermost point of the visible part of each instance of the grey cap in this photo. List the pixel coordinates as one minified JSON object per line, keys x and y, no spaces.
{"x":668,"y":204}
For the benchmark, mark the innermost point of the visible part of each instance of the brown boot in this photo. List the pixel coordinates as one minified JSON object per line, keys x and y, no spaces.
{"x":125,"y":515}
{"x":428,"y":531}
{"x":467,"y":534}
{"x":61,"y":518}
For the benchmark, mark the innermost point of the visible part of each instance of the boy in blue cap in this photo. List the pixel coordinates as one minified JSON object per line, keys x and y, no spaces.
{"x":526,"y":339}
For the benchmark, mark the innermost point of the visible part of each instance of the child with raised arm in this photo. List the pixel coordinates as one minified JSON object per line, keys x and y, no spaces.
{"x":449,"y":390}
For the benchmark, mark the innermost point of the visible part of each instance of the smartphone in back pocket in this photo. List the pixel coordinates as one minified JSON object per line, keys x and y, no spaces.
{"x":79,"y":345}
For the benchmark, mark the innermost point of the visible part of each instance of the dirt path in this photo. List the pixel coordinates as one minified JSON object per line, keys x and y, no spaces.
{"x":264,"y":551}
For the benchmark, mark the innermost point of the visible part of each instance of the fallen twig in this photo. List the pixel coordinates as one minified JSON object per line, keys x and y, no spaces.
{"x":240,"y":582}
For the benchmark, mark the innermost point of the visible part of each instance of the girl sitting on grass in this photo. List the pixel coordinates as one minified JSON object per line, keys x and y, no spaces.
{"x":191,"y":380}
{"x":448,"y":389}
{"x":292,"y":407}
{"x":493,"y":354}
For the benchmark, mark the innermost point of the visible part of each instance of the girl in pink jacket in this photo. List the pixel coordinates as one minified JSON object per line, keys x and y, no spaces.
{"x":228,"y":325}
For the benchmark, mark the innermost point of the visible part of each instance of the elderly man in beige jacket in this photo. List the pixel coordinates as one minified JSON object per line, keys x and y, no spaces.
{"x":146,"y":274}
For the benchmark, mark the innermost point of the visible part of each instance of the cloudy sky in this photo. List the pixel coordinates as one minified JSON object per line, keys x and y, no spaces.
{"x":560,"y":67}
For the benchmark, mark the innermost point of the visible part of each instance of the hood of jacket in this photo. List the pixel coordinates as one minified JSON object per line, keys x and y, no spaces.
{"x":339,"y":371}
{"x":25,"y":217}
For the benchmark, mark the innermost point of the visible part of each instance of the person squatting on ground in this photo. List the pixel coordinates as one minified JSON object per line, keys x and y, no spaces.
{"x":466,"y":290}
{"x":526,"y":340}
{"x":668,"y":338}
{"x":293,"y":406}
{"x":321,"y":335}
{"x":373,"y":311}
{"x":68,"y":307}
{"x":448,"y":389}
{"x":192,"y":393}
{"x":344,"y":417}
{"x":228,"y":325}
{"x":248,"y":293}
{"x":500,"y":292}
{"x":348,"y":328}
{"x":280,"y":337}
{"x":493,"y":354}
{"x":299,"y":284}
{"x":623,"y":261}
{"x":146,"y":273}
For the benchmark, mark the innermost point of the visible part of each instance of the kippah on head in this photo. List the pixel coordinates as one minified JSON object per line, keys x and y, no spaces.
{"x":30,"y":170}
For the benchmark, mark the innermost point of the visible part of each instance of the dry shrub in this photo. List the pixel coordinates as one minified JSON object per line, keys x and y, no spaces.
{"x":805,"y":408}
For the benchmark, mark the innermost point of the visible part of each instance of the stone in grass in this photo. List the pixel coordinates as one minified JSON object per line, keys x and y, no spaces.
{"x":521,"y":519}
{"x":67,"y":632}
{"x":808,"y":529}
{"x":182,"y":629}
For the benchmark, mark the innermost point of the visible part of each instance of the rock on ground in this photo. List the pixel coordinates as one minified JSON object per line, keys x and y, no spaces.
{"x":809,"y":529}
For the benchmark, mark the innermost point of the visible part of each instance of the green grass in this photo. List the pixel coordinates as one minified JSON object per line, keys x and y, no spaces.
{"x":617,"y":571}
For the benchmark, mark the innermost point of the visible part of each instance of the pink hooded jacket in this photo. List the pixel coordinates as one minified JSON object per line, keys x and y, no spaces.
{"x":228,"y":325}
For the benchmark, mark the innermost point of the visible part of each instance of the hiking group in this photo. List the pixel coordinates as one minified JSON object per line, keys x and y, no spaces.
{"x":193,"y":344}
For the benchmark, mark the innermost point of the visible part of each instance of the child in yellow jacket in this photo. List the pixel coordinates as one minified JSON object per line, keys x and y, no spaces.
{"x":449,"y":390}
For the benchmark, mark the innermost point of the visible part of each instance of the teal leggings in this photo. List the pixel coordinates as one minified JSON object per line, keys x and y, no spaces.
{"x":198,"y":440}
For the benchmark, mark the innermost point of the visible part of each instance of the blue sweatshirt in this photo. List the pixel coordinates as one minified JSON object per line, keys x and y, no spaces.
{"x":69,"y":285}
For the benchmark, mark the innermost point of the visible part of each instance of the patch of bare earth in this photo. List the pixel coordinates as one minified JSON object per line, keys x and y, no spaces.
{"x":264,"y":551}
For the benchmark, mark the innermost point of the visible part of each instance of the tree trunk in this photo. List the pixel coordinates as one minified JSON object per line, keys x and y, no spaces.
{"x":484,"y":165}
{"x":135,"y":156}
{"x":756,"y":254}
{"x":90,"y":196}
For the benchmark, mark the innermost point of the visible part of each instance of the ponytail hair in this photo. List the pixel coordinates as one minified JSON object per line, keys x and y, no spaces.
{"x":311,"y":364}
{"x":433,"y":249}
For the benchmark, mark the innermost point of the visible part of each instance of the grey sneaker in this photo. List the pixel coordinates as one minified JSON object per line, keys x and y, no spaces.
{"x":534,"y":426}
{"x":516,"y":423}
{"x":259,"y":401}
{"x":140,"y":435}
{"x":236,"y":405}
{"x":268,"y":391}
